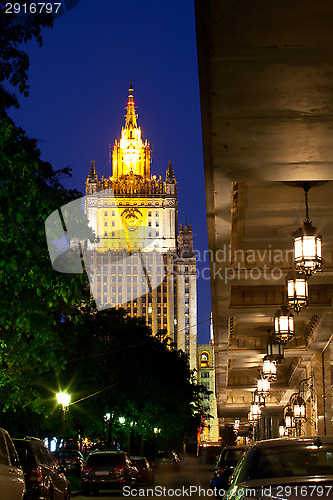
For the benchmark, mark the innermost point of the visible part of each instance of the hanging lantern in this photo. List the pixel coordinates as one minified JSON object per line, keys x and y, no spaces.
{"x":297,"y":290}
{"x":289,"y":419}
{"x":307,"y":243}
{"x":269,"y":370}
{"x":299,"y":409}
{"x":255,"y":410}
{"x":282,"y":430}
{"x":236,"y":424}
{"x":284,"y":325}
{"x":275,"y":350}
{"x":251,"y":418}
{"x":258,"y":398}
{"x":264,"y":386}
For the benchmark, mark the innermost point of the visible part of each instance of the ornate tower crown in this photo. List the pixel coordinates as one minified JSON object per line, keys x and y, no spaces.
{"x":131,"y":156}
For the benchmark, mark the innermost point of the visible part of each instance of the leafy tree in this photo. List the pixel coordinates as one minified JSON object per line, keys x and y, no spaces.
{"x":14,"y":63}
{"x":130,"y":373}
{"x":228,"y":435}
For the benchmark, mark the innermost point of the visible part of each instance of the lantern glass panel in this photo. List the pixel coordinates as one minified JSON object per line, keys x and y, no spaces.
{"x":288,"y":420}
{"x":298,"y":248}
{"x":309,"y":248}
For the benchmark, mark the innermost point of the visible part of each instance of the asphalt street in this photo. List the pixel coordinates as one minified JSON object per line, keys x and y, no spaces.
{"x":192,"y":481}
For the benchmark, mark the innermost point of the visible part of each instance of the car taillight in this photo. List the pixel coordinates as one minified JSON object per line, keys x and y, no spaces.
{"x":119,"y":468}
{"x":36,"y":476}
{"x":86,"y":469}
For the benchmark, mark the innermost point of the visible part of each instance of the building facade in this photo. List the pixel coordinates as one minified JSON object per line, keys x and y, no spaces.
{"x":209,"y":432}
{"x":141,"y":261}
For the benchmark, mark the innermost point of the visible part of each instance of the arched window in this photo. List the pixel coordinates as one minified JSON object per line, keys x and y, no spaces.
{"x":205,"y":359}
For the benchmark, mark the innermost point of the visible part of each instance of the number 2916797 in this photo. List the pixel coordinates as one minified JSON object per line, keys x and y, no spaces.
{"x":32,"y":8}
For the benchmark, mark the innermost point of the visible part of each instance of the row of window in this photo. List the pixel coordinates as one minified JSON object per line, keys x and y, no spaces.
{"x":128,"y":270}
{"x":113,"y":213}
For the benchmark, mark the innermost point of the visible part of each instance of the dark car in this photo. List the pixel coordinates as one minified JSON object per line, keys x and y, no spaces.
{"x":74,"y":460}
{"x":285,"y":468}
{"x":167,"y":460}
{"x":105,"y":470}
{"x":44,"y":477}
{"x":225,"y":465}
{"x":145,"y":471}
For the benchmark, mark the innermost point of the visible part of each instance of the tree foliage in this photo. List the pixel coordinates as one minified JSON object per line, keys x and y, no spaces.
{"x":131,"y":374}
{"x":16,"y":30}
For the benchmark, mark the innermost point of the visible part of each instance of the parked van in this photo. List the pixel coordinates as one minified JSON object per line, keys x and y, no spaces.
{"x":12,"y":485}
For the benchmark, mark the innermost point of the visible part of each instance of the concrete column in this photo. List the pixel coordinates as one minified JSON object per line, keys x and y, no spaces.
{"x":322,"y":395}
{"x":328,"y":391}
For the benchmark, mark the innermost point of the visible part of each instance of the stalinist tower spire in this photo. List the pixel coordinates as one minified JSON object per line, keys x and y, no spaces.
{"x":130,"y":115}
{"x":131,"y":156}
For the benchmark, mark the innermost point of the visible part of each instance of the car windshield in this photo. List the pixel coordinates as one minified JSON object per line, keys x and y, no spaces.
{"x":139,"y":461}
{"x":295,"y":460}
{"x":165,"y":455}
{"x":105,"y":459}
{"x":232,"y":456}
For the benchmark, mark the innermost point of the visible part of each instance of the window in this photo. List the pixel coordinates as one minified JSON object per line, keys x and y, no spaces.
{"x":204,"y":374}
{"x":105,"y":234}
{"x":149,"y":223}
{"x":105,"y":214}
{"x":187,"y":300}
{"x":186,"y":269}
{"x":187,"y":321}
{"x":157,"y":224}
{"x":186,"y":279}
{"x":113,"y":223}
{"x":157,"y":214}
{"x":149,"y":213}
{"x":187,"y":342}
{"x":112,"y":234}
{"x":113,"y":213}
{"x":106,"y":223}
{"x":187,"y":310}
{"x":187,"y":290}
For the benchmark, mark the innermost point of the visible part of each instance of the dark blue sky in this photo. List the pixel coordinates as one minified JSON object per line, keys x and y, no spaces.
{"x":79,"y":84}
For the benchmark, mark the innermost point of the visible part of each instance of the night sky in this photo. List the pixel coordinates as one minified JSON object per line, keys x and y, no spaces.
{"x":79,"y":84}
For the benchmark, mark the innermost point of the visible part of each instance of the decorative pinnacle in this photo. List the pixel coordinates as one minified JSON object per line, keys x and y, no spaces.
{"x":92,"y":168}
{"x":130,"y":115}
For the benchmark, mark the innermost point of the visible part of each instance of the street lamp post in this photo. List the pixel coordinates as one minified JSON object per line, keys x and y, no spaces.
{"x":63,"y":399}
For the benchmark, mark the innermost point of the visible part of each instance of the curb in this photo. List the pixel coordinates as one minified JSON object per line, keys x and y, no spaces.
{"x":75,"y":493}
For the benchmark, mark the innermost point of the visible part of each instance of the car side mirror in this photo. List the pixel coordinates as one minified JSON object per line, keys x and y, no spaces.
{"x":231,"y":480}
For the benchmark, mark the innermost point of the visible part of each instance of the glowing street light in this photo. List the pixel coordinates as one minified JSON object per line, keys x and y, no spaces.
{"x":64,"y":400}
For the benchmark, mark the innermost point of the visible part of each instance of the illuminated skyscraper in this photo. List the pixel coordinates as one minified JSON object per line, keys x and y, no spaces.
{"x":138,"y":217}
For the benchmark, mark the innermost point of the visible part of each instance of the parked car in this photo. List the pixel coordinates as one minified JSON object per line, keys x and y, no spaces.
{"x":285,"y":468}
{"x":44,"y":477}
{"x":12,"y":484}
{"x":104,"y":470}
{"x":74,"y":460}
{"x":225,"y":465}
{"x":145,"y":471}
{"x":166,"y":460}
